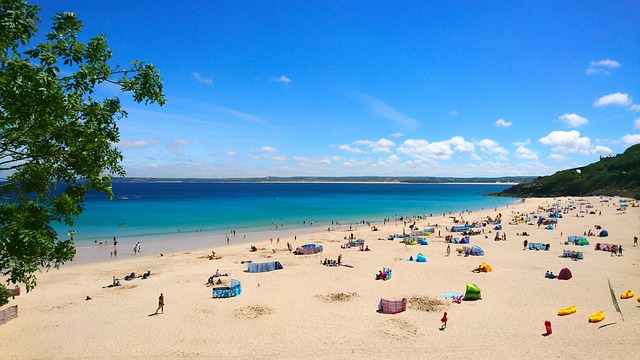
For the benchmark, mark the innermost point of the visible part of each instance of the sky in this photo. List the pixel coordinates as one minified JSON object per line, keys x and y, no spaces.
{"x":372,"y":88}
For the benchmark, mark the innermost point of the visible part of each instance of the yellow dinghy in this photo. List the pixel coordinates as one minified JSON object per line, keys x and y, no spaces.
{"x":627,"y":294}
{"x":597,"y":317}
{"x":567,"y":310}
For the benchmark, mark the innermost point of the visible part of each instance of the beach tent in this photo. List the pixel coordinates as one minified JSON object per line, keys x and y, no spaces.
{"x":392,"y":306}
{"x":234,"y":289}
{"x":604,"y":233}
{"x":565,"y":274}
{"x":421,"y":258}
{"x":264,"y":267}
{"x":429,"y":230}
{"x":582,"y":242}
{"x":423,"y":241}
{"x":464,"y":240}
{"x":476,"y":250}
{"x":549,"y":227}
{"x":472,"y":292}
{"x":485,"y":267}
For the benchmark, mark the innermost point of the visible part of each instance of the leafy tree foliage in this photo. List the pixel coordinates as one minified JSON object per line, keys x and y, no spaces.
{"x":56,"y":139}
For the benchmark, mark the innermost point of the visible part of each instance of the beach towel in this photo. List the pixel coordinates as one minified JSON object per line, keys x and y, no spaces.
{"x":451,"y":295}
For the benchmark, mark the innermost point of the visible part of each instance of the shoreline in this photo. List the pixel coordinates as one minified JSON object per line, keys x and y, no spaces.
{"x":195,"y":240}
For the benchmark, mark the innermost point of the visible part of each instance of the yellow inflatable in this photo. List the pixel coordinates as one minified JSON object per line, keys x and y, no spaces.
{"x":597,"y":317}
{"x":627,"y":294}
{"x":567,"y":310}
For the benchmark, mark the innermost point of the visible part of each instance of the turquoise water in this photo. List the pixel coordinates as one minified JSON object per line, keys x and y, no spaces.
{"x":170,"y":210}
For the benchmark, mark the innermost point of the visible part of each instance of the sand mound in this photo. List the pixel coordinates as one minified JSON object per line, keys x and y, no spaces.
{"x":426,"y":302}
{"x":253,"y":311}
{"x":337,"y":297}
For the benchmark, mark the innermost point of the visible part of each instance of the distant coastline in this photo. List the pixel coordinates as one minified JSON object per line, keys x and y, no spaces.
{"x":508,"y":180}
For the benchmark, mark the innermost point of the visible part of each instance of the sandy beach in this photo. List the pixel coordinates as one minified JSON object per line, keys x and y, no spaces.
{"x":310,"y":311}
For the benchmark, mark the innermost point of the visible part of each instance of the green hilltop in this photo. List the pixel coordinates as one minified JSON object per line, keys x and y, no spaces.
{"x":611,"y":176}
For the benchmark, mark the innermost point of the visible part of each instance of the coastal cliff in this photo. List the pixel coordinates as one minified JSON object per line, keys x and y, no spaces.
{"x":611,"y":176}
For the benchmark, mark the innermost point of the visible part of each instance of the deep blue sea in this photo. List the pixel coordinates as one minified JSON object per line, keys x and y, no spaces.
{"x":174,"y":209}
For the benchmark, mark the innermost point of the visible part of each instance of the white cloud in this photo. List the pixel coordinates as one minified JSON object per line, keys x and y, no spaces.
{"x":600,"y":67}
{"x":281,"y":79}
{"x":525,"y":153}
{"x":636,"y":123}
{"x":422,"y":149}
{"x":350,"y":149}
{"x":384,"y":110}
{"x":601,"y":150}
{"x":631,"y":139}
{"x":567,"y":142}
{"x":231,"y":153}
{"x":382,"y":145}
{"x":137,"y":143}
{"x":558,"y":157}
{"x":460,"y":145}
{"x":279,"y":158}
{"x":492,"y":147}
{"x":522,"y":143}
{"x":397,"y":135}
{"x":634,"y":107}
{"x":573,"y":120}
{"x":266,"y":149}
{"x":201,"y":79}
{"x":453,"y":112}
{"x":618,"y":98}
{"x":605,"y":63}
{"x":502,"y":123}
{"x":442,"y":150}
{"x":180,"y":142}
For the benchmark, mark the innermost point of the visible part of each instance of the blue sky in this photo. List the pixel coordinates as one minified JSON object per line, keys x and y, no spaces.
{"x":356,"y":88}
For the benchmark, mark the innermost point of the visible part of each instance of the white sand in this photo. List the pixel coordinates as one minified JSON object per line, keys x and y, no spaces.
{"x":290,"y":313}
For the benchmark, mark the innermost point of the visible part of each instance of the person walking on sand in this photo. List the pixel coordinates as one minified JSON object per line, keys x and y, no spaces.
{"x":619,"y":250}
{"x":448,"y":249}
{"x":444,"y":321}
{"x":635,"y":241}
{"x":160,"y":304}
{"x":525,"y":243}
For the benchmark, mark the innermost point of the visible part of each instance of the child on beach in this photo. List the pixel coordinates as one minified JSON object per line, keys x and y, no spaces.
{"x":444,"y":321}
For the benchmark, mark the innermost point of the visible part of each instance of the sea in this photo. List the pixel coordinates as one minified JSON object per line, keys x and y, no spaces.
{"x":173,"y":216}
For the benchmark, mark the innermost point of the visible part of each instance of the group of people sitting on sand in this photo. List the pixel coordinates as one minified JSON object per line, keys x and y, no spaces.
{"x":213,"y":256}
{"x":550,"y":275}
{"x":383,"y":274}
{"x":211,"y":280}
{"x":328,"y":262}
{"x":134,"y":276}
